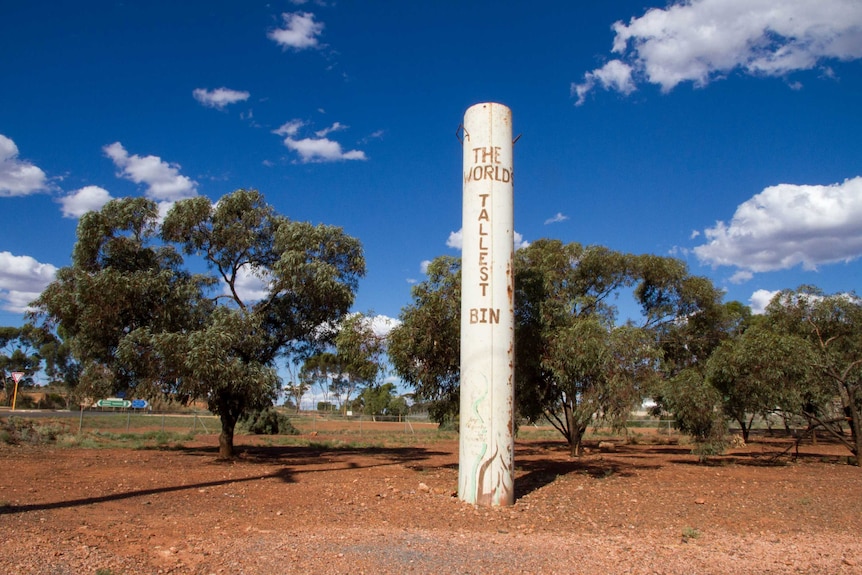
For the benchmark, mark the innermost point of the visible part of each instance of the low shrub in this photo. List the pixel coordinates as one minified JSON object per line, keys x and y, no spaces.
{"x":16,"y":430}
{"x":267,"y":422}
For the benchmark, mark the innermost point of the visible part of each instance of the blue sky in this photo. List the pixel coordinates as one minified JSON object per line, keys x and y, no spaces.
{"x":723,"y":132}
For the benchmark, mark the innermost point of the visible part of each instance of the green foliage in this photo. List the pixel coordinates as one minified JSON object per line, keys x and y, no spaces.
{"x":398,"y":406}
{"x":761,"y":371}
{"x":358,"y":359}
{"x":831,"y":325}
{"x":29,"y":349}
{"x":24,"y":402}
{"x":696,"y":407}
{"x":17,"y":430}
{"x":138,"y":320}
{"x":574,"y":363}
{"x":267,"y":422}
{"x":294,"y":391}
{"x":379,"y":400}
{"x":425,"y":349}
{"x":121,"y":280}
{"x":52,"y":401}
{"x":690,"y":533}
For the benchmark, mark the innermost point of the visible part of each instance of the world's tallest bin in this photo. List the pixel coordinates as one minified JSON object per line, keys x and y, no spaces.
{"x":487,"y":447}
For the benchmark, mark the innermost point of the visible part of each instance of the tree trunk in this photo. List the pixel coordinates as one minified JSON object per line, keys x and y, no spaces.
{"x":225,"y":438}
{"x":854,"y":416}
{"x":574,"y":431}
{"x":576,"y":435}
{"x":744,"y":427}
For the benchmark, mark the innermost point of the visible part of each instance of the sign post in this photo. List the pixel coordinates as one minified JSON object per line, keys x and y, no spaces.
{"x":486,"y":450}
{"x":16,"y":377}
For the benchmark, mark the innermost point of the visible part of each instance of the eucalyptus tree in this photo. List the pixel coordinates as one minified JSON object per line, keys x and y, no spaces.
{"x":378,"y":400}
{"x":319,"y":370}
{"x":31,"y":350}
{"x":121,"y":280}
{"x":360,"y":352}
{"x":134,"y":311}
{"x":424,"y":348}
{"x":19,"y":353}
{"x":832,"y":327}
{"x":354,"y":361}
{"x":308,"y":275}
{"x":295,"y":390}
{"x":760,"y":372}
{"x":573,"y":362}
{"x":690,"y":321}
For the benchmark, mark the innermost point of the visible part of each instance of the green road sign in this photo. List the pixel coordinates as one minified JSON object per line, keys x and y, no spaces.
{"x":113,"y":402}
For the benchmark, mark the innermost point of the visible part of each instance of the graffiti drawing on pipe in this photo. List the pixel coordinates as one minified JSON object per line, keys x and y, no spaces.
{"x":487,"y":447}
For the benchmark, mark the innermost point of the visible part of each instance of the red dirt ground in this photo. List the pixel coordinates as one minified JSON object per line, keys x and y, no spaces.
{"x":639,"y":509}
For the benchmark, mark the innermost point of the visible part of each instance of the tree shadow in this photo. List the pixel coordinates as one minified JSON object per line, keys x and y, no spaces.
{"x":540,"y":473}
{"x":293,"y":461}
{"x":301,"y":454}
{"x":284,"y":475}
{"x":543,"y":466}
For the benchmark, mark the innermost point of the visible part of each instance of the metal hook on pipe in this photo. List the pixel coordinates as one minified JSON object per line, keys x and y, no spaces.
{"x":460,"y":129}
{"x":515,"y":141}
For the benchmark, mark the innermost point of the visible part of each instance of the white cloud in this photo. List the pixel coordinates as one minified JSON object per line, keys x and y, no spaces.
{"x":22,"y":279}
{"x":163,"y":180}
{"x":375,"y":135}
{"x":319,"y":148}
{"x":788,"y":225}
{"x":18,"y":177}
{"x":559,"y":217}
{"x":381,"y":325}
{"x":300,"y":31}
{"x":423,"y":266}
{"x":87,"y":199}
{"x":702,"y":40}
{"x":220,"y":97}
{"x":456,"y":240}
{"x":616,"y":75}
{"x":251,"y":285}
{"x":337,"y":126}
{"x":760,"y":299}
{"x":290,"y":128}
{"x":741,"y":276}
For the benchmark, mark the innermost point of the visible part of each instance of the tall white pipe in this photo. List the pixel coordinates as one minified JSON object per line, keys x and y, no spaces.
{"x":486,"y":464}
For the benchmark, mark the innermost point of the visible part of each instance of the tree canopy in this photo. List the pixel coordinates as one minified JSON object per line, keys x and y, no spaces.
{"x":29,"y":350}
{"x":574,"y":362}
{"x":831,"y":325}
{"x":139,"y":319}
{"x":425,"y":347}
